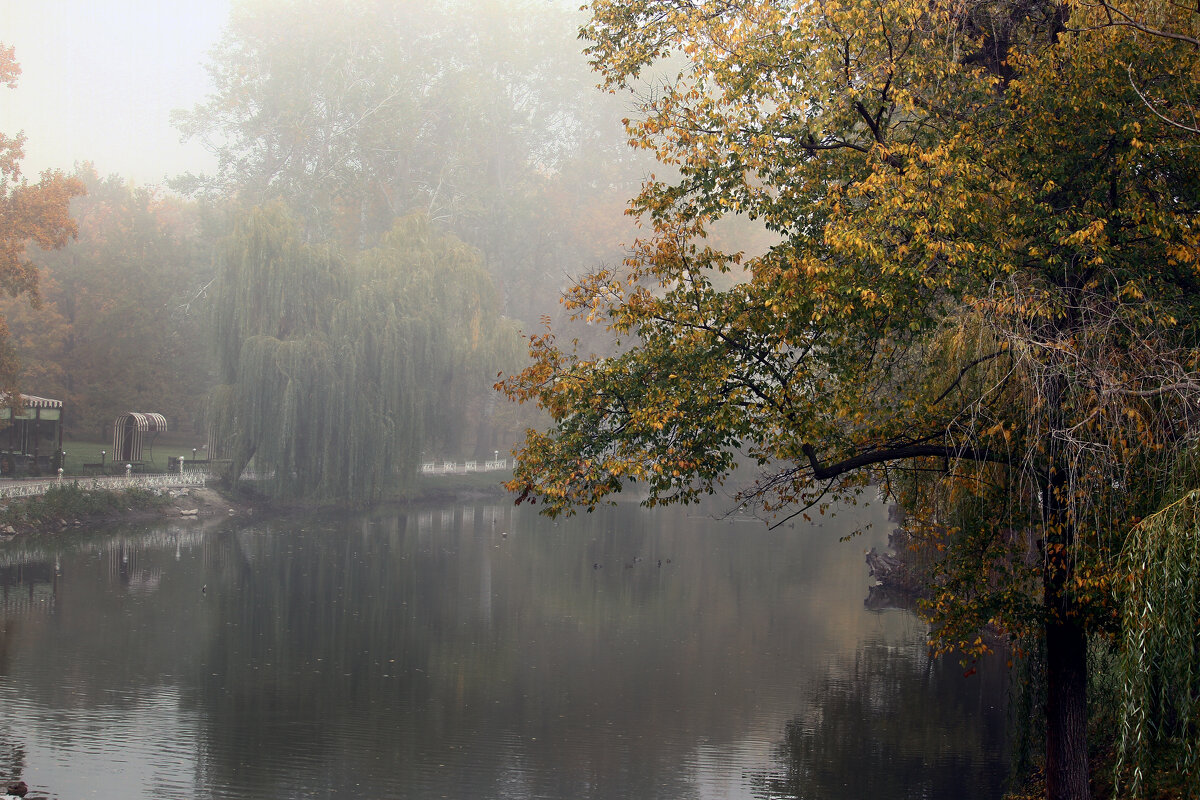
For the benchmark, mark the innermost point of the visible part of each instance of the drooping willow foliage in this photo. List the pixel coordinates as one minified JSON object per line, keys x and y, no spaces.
{"x":1161,"y":645}
{"x":334,"y":371}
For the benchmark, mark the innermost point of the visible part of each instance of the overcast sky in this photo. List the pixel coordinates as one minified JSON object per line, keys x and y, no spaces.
{"x":100,"y":78}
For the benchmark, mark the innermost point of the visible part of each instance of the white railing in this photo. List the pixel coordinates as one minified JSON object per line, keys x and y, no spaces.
{"x":191,"y":477}
{"x":165,"y":480}
{"x":454,"y":468}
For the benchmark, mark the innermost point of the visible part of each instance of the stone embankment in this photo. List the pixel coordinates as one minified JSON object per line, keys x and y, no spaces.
{"x":18,"y":516}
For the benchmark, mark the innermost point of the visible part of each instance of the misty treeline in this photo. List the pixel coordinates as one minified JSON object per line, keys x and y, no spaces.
{"x":117,"y":327}
{"x":482,"y":115}
{"x":401,"y":188}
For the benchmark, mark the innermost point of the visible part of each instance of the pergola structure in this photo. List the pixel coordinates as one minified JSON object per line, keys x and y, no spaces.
{"x":31,"y":438}
{"x":129,"y":437}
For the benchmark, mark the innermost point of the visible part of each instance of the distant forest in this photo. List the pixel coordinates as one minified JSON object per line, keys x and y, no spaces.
{"x":340,"y":121}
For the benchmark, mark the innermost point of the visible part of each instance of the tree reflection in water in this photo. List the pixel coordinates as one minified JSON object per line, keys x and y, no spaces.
{"x":896,"y":724}
{"x":426,"y":654}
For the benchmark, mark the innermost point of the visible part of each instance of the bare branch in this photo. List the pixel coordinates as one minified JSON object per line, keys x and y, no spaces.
{"x":1119,"y":19}
{"x":1155,"y":111}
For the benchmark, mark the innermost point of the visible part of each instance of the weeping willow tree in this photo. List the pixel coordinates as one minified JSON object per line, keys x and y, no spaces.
{"x":1160,"y":654}
{"x":334,"y":371}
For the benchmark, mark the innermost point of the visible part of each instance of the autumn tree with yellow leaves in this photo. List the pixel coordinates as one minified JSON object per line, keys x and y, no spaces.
{"x":983,"y":299}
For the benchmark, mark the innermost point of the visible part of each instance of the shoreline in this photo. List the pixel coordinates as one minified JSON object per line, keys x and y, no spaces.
{"x":31,"y":516}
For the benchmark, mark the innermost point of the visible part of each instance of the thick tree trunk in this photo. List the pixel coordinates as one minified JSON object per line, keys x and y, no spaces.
{"x":1066,"y":640}
{"x":1066,"y":712}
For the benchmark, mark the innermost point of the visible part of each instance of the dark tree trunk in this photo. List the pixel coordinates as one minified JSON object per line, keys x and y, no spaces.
{"x":1066,"y":712}
{"x":1066,"y":640}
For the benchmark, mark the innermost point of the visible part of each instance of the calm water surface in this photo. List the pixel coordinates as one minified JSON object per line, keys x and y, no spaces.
{"x":479,"y":651}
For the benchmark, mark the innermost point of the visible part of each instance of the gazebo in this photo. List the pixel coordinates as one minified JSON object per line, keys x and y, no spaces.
{"x":129,"y":437}
{"x":31,"y":439}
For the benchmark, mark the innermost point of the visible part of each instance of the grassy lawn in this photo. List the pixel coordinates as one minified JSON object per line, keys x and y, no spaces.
{"x":166,"y":445}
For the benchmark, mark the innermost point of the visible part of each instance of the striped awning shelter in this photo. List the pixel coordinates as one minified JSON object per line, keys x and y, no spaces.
{"x":128,"y":430}
{"x":29,"y":401}
{"x":31,"y":438}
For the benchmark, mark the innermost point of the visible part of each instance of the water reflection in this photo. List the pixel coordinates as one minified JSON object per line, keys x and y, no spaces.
{"x":894,"y":723}
{"x":474,"y":651}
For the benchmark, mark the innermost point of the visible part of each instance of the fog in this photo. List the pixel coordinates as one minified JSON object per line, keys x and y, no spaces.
{"x":440,"y":170}
{"x":315,"y":200}
{"x":99,"y":81}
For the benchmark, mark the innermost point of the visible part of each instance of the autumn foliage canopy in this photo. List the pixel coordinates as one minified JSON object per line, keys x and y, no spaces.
{"x":983,"y":298}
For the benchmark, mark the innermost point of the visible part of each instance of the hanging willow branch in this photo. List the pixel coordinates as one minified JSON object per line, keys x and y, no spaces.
{"x":1161,"y":624}
{"x":336,"y":370}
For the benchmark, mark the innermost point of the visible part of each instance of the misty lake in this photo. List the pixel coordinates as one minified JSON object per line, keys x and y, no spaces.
{"x":479,"y":651}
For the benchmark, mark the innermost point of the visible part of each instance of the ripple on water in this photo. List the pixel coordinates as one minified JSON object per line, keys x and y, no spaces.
{"x":137,"y":744}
